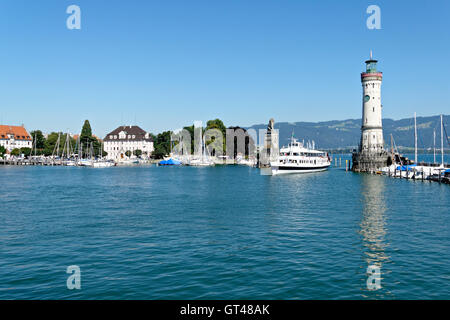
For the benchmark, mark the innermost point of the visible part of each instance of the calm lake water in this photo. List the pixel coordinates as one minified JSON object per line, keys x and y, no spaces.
{"x":225,"y":232}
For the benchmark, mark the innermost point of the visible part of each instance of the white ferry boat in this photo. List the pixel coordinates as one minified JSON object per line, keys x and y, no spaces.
{"x":295,"y":158}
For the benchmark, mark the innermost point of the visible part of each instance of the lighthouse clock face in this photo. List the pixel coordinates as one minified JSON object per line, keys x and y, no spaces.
{"x":366,"y":98}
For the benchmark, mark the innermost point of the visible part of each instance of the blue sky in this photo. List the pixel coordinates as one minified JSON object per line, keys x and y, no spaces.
{"x":164,"y":64}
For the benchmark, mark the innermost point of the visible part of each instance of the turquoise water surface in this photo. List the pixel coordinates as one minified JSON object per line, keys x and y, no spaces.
{"x":224,"y":232}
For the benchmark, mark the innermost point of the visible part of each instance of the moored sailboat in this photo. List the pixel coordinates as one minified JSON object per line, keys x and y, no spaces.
{"x":204,"y":160}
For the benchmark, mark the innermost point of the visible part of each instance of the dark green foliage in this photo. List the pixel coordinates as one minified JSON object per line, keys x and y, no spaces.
{"x":2,"y":151}
{"x":211,"y":124}
{"x":161,"y":144}
{"x":86,"y":131}
{"x":38,"y":139}
{"x":128,"y":153}
{"x":88,"y":140}
{"x":15,"y":152}
{"x":217,"y":124}
{"x":52,"y":140}
{"x":25,"y":151}
{"x":137,"y":153}
{"x":190,"y":129}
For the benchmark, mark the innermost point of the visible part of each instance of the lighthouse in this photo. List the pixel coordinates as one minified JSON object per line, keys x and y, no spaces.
{"x":371,"y":155}
{"x":372,"y":127}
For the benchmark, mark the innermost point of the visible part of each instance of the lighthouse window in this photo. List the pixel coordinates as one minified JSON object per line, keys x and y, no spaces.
{"x":373,"y":109}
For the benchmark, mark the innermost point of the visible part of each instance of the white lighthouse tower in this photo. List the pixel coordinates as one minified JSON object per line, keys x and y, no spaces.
{"x":371,"y":155}
{"x":372,"y":127}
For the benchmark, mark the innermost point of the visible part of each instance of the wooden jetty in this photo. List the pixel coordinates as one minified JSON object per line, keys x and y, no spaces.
{"x":30,"y":162}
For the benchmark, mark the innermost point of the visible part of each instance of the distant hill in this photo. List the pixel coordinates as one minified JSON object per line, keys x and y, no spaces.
{"x":346,"y":133}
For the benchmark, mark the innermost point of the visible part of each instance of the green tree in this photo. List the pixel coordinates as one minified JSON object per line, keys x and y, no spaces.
{"x":86,"y":131}
{"x":217,"y":124}
{"x":15,"y":152}
{"x":25,"y":151}
{"x":191,"y":131}
{"x":88,"y":140}
{"x":211,"y":124}
{"x":161,"y":145}
{"x":2,"y":151}
{"x":52,"y":141}
{"x":38,"y":139}
{"x":128,"y":153}
{"x":137,"y":153}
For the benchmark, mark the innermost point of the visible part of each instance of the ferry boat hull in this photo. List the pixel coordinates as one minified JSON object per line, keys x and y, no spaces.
{"x":275,"y":170}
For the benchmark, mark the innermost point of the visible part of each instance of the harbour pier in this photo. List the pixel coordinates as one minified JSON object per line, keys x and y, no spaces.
{"x":31,"y":162}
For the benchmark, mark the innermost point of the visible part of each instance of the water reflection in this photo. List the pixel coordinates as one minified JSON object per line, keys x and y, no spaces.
{"x":373,"y":223}
{"x":373,"y":229}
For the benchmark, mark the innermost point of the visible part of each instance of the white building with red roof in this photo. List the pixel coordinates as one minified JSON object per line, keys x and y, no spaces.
{"x":14,"y":137}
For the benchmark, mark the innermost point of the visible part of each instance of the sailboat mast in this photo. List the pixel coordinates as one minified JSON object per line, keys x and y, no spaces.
{"x":442,"y":139}
{"x":415,"y":138}
{"x":64,"y":148}
{"x":203,"y":149}
{"x":434,"y":146}
{"x":392,"y":145}
{"x":35,"y":143}
{"x":68,"y":145}
{"x":57,"y":150}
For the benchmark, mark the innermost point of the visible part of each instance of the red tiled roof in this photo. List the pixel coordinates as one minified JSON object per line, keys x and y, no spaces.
{"x":19,"y":132}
